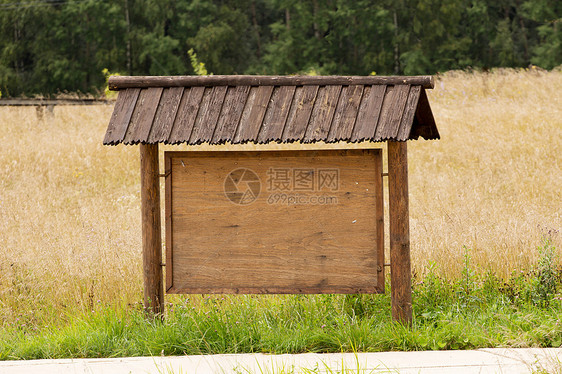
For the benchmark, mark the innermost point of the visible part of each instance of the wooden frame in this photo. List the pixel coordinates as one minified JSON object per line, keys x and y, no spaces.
{"x":399,"y":224}
{"x":322,"y":262}
{"x":151,"y":229}
{"x":282,"y":109}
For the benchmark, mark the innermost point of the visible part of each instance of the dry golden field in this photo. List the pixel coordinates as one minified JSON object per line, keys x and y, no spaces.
{"x":70,"y":218}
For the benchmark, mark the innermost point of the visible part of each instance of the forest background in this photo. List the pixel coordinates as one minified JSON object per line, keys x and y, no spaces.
{"x":48,"y":47}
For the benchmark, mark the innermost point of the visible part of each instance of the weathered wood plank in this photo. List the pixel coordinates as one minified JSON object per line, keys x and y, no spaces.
{"x":231,"y":113}
{"x":270,"y":290}
{"x":187,"y":113}
{"x":398,"y":108}
{"x":168,"y":221}
{"x":228,"y":246}
{"x":208,"y":115}
{"x":151,"y":234}
{"x":253,"y":114}
{"x":409,"y":113}
{"x":322,"y":113}
{"x":122,"y":112}
{"x":379,"y":213}
{"x":165,"y":114}
{"x":369,"y":112}
{"x":346,"y":113}
{"x":276,"y":114}
{"x":384,"y":113}
{"x":299,"y":115}
{"x":202,"y":110}
{"x":143,"y":115}
{"x":121,"y":82}
{"x":400,"y":272}
{"x":391,"y":112}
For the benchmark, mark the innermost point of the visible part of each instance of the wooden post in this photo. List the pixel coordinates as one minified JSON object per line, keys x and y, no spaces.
{"x":400,"y":273}
{"x":151,"y":230}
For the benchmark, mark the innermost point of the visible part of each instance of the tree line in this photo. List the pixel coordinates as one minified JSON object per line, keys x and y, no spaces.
{"x":52,"y":46}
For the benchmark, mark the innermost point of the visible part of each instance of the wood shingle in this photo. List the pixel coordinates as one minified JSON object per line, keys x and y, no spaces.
{"x":263,"y":109}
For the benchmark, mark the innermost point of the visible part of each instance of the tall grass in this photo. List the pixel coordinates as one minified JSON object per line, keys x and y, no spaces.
{"x":70,"y":219}
{"x":70,"y":234}
{"x":447,"y":315}
{"x":493,"y":181}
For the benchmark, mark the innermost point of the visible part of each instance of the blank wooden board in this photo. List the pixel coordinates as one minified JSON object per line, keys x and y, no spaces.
{"x":262,"y":222}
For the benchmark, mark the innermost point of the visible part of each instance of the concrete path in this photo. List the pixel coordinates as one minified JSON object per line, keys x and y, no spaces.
{"x":532,"y":360}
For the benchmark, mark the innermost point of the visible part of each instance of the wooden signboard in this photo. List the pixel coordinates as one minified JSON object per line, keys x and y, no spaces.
{"x":274,"y":222}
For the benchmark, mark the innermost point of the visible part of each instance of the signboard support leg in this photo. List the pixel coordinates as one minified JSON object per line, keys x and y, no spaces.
{"x":400,"y":271}
{"x":151,"y":230}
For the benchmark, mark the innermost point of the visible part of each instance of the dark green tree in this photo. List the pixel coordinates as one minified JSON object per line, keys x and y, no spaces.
{"x":547,"y":15}
{"x":50,"y":46}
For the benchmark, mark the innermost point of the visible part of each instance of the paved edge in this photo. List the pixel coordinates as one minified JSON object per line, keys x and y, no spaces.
{"x":496,"y":360}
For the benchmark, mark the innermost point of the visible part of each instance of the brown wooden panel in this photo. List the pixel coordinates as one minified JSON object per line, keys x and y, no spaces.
{"x":322,"y":113}
{"x":253,"y":114}
{"x":391,"y":112}
{"x":231,"y":112}
{"x":276,"y":115}
{"x":121,"y":116}
{"x":187,"y":112}
{"x":299,"y":115}
{"x":143,"y":115}
{"x":165,"y":114}
{"x":369,"y":112}
{"x":346,"y":113}
{"x":208,"y":115}
{"x":322,"y":235}
{"x":409,"y":113}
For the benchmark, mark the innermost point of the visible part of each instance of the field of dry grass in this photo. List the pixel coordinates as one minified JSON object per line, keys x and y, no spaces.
{"x":70,"y":219}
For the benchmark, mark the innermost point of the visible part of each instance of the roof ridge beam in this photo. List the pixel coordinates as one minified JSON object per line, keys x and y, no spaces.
{"x":122,"y":82}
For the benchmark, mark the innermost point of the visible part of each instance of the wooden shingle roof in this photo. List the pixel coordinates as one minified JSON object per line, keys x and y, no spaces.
{"x":262,"y":109}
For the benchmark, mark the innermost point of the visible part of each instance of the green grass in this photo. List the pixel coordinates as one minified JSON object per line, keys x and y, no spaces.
{"x":477,"y":310}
